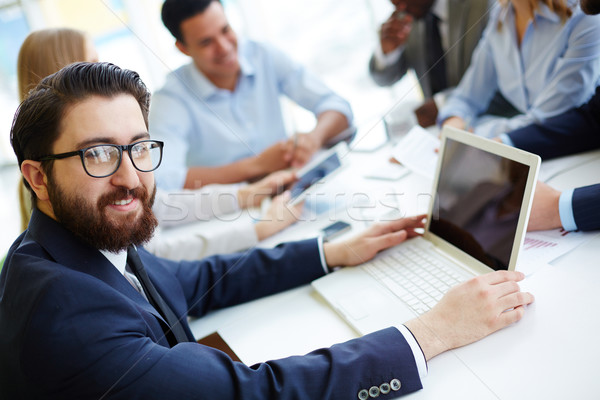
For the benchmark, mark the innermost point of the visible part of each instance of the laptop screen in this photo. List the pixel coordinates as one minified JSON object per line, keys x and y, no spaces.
{"x":478,"y":202}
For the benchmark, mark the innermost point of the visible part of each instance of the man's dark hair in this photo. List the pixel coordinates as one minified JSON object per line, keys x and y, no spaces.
{"x":36,"y":125}
{"x":591,"y":7}
{"x":174,"y":12}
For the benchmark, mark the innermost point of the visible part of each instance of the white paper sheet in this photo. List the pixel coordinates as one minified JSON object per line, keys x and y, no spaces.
{"x":543,"y":247}
{"x":417,"y":151}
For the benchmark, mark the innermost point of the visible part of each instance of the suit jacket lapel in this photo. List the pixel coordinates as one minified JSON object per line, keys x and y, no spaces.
{"x":70,"y":251}
{"x":457,"y":16}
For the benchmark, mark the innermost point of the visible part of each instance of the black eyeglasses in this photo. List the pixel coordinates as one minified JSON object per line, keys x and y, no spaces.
{"x":103,"y":160}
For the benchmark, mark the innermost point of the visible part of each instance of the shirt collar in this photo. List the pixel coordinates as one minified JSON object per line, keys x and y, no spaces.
{"x":119,"y":260}
{"x":440,"y":10}
{"x":543,"y":11}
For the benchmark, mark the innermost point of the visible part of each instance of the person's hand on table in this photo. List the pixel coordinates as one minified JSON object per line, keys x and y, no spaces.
{"x":366,"y":245}
{"x":253,"y":194}
{"x":427,"y":113}
{"x":455,"y":122}
{"x":300,"y":148}
{"x":280,"y":215}
{"x":544,"y":210}
{"x":270,"y":160}
{"x":471,"y":311}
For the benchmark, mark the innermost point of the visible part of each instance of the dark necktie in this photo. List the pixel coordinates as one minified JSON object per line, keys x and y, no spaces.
{"x":174,"y":332}
{"x":436,"y":63}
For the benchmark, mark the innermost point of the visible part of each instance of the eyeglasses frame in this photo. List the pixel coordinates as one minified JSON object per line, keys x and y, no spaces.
{"x":120,"y":147}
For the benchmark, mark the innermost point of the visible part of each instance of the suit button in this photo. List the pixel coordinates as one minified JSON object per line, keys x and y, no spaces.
{"x":363,"y":394}
{"x":395,"y":385}
{"x":384,"y":388}
{"x":374,"y":391}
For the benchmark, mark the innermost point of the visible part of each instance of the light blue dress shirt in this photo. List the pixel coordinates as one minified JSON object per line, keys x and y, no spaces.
{"x":556,"y":68}
{"x":565,"y":210}
{"x":203,"y":125}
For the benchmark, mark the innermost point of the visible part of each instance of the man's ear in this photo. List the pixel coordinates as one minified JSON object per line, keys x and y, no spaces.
{"x":36,"y":177}
{"x":182,"y":47}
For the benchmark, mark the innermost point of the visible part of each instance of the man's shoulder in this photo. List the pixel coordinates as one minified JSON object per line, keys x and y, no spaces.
{"x":259,"y":53}
{"x":594,"y":102}
{"x":29,"y":273}
{"x":176,"y":80}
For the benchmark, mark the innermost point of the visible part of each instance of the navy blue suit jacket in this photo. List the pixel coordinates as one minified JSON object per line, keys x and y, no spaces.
{"x":72,"y":327}
{"x":575,"y":131}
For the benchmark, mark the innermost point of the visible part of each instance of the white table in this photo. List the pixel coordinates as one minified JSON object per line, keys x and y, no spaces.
{"x":550,"y":354}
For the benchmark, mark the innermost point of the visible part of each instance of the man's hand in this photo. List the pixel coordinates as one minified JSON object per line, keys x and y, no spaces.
{"x":300,"y":148}
{"x":270,"y":160}
{"x":253,"y":194}
{"x":544,"y":210}
{"x":427,"y":113}
{"x":395,"y":31}
{"x":456,"y":122}
{"x":279,"y":215}
{"x":471,"y":311}
{"x":378,"y":237}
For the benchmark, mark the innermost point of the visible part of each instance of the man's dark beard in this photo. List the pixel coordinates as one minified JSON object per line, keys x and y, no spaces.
{"x":90,"y":223}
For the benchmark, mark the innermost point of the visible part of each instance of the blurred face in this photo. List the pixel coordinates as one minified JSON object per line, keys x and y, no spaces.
{"x":417,"y":8}
{"x":112,"y":212}
{"x":211,"y":43}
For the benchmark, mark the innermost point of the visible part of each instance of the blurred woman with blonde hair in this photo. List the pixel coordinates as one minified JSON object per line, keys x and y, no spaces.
{"x":43,"y":53}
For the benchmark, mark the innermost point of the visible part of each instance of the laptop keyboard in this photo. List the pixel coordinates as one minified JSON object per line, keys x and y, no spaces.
{"x":419,"y":278}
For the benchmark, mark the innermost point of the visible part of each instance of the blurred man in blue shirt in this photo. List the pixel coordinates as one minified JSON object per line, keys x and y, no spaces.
{"x":220,"y":116}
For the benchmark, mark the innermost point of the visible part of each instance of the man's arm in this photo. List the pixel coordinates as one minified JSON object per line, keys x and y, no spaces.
{"x":575,"y":131}
{"x":471,"y":311}
{"x":301,"y":147}
{"x":270,"y":160}
{"x":545,"y":209}
{"x":571,"y":209}
{"x":586,"y":207}
{"x":388,"y":64}
{"x":81,"y":355}
{"x":333,"y":113}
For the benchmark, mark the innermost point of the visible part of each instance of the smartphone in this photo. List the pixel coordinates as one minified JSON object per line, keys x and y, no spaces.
{"x":335,"y":229}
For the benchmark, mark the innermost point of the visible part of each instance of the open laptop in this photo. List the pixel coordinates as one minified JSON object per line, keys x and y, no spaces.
{"x":481,"y":199}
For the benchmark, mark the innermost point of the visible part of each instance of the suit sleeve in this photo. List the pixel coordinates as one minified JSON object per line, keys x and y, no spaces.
{"x":96,"y":344}
{"x":225,"y":280}
{"x":586,"y":207}
{"x":575,"y":131}
{"x":391,"y":73}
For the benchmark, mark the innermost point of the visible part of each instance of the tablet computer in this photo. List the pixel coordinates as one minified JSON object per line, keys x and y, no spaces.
{"x":321,"y":166}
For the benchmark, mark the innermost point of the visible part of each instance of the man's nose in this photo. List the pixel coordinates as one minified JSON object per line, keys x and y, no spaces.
{"x":127,"y":175}
{"x":223,"y":44}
